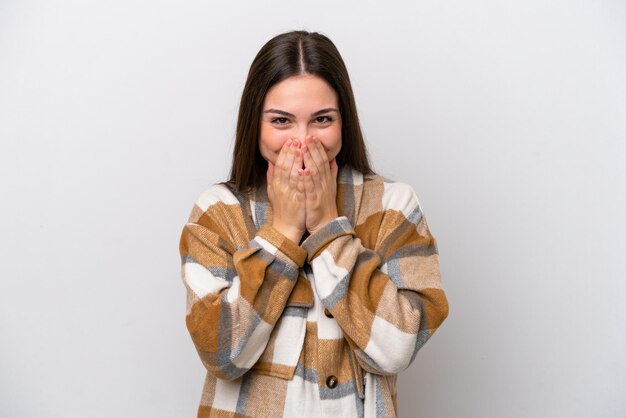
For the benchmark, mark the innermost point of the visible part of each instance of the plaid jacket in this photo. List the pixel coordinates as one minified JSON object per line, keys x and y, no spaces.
{"x":315,"y":330}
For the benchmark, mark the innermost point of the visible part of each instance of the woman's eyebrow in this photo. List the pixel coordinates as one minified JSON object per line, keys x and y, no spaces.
{"x":319,"y":112}
{"x":328,"y":109}
{"x":280,"y":112}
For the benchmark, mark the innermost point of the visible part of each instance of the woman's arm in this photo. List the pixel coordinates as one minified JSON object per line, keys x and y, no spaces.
{"x":236,"y":291}
{"x":387,"y":300}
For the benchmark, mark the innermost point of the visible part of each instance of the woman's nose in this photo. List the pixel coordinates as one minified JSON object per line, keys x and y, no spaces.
{"x":303,"y":131}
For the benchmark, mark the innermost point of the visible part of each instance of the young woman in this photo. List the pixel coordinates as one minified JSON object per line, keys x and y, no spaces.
{"x":311,"y":281}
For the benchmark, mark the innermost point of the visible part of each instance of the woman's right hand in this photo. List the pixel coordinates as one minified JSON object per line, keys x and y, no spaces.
{"x":285,"y":190}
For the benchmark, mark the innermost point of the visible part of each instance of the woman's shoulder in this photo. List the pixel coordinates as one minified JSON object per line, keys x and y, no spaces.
{"x":216,"y":193}
{"x":393,"y":194}
{"x":352,"y":176}
{"x":213,"y":199}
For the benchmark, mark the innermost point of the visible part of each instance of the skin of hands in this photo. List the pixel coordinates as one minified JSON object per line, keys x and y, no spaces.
{"x":285,"y":190}
{"x":302,"y":188}
{"x":320,"y":185}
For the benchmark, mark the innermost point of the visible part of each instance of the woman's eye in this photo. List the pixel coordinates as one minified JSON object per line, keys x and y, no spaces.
{"x":324,"y":119}
{"x":280,"y":121}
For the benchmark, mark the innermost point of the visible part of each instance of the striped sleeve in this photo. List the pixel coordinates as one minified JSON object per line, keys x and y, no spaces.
{"x":388,"y":300}
{"x":236,"y":289}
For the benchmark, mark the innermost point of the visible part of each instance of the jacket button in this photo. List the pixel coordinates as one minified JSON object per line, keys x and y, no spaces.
{"x":327,"y":313}
{"x":331,"y":381}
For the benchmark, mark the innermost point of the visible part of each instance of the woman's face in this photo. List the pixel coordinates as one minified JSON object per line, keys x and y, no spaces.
{"x":300,"y":106}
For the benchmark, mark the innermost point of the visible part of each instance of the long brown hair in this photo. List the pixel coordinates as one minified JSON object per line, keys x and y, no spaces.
{"x":285,"y":55}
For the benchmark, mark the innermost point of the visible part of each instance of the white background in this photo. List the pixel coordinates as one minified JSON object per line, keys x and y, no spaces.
{"x":508,"y":118}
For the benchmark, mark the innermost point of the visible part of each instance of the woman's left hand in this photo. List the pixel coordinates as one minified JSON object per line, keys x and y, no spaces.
{"x":320,"y":185}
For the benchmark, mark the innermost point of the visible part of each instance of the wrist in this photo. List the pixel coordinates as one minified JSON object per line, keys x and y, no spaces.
{"x":293,"y":234}
{"x":321,"y":225}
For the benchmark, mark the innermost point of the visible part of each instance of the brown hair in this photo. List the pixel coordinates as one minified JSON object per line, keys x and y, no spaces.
{"x":286,"y":55}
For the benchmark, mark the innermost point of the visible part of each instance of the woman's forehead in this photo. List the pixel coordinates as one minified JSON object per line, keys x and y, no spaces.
{"x":303,"y":91}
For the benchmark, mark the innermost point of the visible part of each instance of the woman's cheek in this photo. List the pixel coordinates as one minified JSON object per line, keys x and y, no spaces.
{"x":332,"y":146}
{"x":270,"y":147}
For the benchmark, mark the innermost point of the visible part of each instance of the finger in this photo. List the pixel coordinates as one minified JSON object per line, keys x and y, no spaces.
{"x":295,"y":168}
{"x":323,"y":162}
{"x":314,"y":147}
{"x":327,"y":171}
{"x":322,"y":151}
{"x":285,"y":170}
{"x":334,"y":168}
{"x":298,"y":148}
{"x":269,"y":179}
{"x":324,"y":175}
{"x":296,"y":143}
{"x":280,"y":159}
{"x":310,"y":166}
{"x":281,"y":154}
{"x":309,"y":186}
{"x":300,"y":185}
